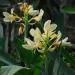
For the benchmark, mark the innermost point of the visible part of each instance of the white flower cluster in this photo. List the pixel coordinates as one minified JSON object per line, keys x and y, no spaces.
{"x":26,"y":9}
{"x":48,"y":40}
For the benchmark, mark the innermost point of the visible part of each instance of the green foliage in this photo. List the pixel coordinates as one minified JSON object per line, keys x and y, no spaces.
{"x":21,"y":61}
{"x":10,"y":70}
{"x":68,"y":9}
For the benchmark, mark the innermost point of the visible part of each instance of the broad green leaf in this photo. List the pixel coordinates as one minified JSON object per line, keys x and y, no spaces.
{"x":10,"y":70}
{"x":68,"y":9}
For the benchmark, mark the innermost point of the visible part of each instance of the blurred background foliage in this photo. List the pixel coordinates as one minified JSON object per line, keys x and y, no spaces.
{"x":61,"y":12}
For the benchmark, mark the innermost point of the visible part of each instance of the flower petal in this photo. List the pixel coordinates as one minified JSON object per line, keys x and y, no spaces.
{"x":6,"y":19}
{"x":59,"y":35}
{"x":27,"y":47}
{"x":6,"y":14}
{"x":47,"y":26}
{"x":32,"y":12}
{"x":39,"y":17}
{"x":65,"y":43}
{"x":29,"y":42}
{"x":32,"y":32}
{"x":53,"y":27}
{"x":37,"y":36}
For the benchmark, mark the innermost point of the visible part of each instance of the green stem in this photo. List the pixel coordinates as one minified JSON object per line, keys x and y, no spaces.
{"x":26,"y":26}
{"x":46,"y":64}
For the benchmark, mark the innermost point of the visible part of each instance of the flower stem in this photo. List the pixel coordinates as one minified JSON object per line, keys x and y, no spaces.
{"x":26,"y":26}
{"x":46,"y":65}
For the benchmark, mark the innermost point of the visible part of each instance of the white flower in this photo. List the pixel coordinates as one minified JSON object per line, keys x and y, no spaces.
{"x":39,"y":16}
{"x":9,"y":17}
{"x":35,"y":44}
{"x":28,"y":9}
{"x":29,"y":45}
{"x":49,"y":29}
{"x":48,"y":40}
{"x":32,"y":44}
{"x":65,"y":43}
{"x":32,"y":12}
{"x":36,"y":34}
{"x":56,"y":42}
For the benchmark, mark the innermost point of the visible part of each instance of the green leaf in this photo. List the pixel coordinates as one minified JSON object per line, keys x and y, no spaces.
{"x":64,"y":70}
{"x":5,"y":58}
{"x":10,"y":70}
{"x":2,"y":44}
{"x":25,"y":55}
{"x":37,"y":72}
{"x":68,"y":57}
{"x":68,"y":9}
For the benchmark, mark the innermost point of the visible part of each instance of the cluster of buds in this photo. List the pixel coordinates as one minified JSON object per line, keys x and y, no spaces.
{"x":49,"y":40}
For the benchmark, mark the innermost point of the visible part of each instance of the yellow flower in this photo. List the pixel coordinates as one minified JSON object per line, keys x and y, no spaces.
{"x":10,"y":17}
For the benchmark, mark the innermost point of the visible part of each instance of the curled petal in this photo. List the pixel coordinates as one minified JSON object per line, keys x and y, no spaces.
{"x":32,"y":12}
{"x":53,"y":27}
{"x":6,"y":14}
{"x":12,"y":10}
{"x":29,"y":42}
{"x":51,"y":49}
{"x":65,"y":43}
{"x":41,"y":51}
{"x":47,"y":25}
{"x":32,"y":32}
{"x":36,"y":34}
{"x":39,"y":17}
{"x":6,"y":20}
{"x":65,"y":40}
{"x":27,"y":47}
